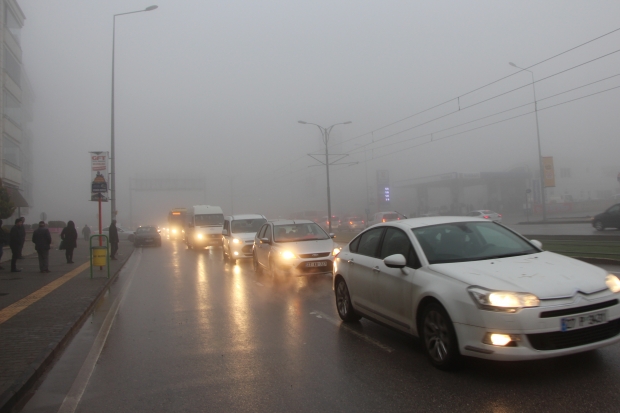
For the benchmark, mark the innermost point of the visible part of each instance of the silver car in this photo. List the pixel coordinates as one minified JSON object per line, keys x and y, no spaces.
{"x":293,"y":248}
{"x":238,"y":235}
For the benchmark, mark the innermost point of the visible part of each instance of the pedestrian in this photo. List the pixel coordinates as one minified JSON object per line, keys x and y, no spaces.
{"x":113,"y":239}
{"x":15,"y":244}
{"x":3,"y":241}
{"x":69,"y":237}
{"x":42,"y":240}
{"x":86,"y":232}
{"x":22,"y":238}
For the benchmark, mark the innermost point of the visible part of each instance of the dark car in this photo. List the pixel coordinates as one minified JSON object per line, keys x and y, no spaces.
{"x":608,"y":219}
{"x":147,"y":235}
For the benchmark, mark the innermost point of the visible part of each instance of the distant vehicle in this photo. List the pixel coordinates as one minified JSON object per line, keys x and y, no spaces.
{"x":325,"y":222}
{"x":204,"y":226}
{"x":352,"y":224}
{"x":471,"y":287}
{"x":293,"y":248}
{"x":238,"y":235}
{"x":387,"y":216}
{"x":147,"y":235}
{"x":177,"y":218}
{"x":607,"y":219}
{"x":123,"y":234}
{"x":486,"y":214}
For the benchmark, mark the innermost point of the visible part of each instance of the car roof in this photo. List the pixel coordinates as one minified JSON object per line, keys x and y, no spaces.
{"x":291,"y":221}
{"x":246,"y":216}
{"x":428,"y":221}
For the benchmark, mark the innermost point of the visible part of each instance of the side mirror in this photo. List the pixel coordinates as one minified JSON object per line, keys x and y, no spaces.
{"x":395,"y":261}
{"x":332,"y":235}
{"x":536,"y":243}
{"x":264,"y":240}
{"x":224,"y":232}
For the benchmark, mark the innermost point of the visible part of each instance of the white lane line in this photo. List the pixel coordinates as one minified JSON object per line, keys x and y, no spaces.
{"x":342,"y":325}
{"x":73,"y":397}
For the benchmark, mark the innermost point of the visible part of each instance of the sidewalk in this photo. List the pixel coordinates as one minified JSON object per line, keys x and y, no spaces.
{"x":34,"y":330}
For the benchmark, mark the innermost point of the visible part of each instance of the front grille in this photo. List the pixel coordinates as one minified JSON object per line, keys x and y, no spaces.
{"x":566,"y":339}
{"x":314,"y":270}
{"x":315,"y":255}
{"x":578,"y":310}
{"x":247,"y":249}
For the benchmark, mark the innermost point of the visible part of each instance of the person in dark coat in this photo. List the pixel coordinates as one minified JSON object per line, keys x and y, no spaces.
{"x":3,"y":240}
{"x":86,"y":232}
{"x":42,"y":240}
{"x":69,"y":235}
{"x":22,"y":235}
{"x":113,"y":238}
{"x":15,"y":242}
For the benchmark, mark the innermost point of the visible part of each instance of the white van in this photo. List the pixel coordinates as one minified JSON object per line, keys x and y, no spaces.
{"x":204,"y":226}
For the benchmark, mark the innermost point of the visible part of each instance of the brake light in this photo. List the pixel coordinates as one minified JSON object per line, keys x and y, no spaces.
{"x":350,"y":222}
{"x":499,"y":215}
{"x":486,"y":217}
{"x":383,"y":220}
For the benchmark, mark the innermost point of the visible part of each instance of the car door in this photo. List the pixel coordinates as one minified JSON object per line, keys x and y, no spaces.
{"x":395,"y":287}
{"x":362,"y":263}
{"x":265,"y":247}
{"x":226,"y":236}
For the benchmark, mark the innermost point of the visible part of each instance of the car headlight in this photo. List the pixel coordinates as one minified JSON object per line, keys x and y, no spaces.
{"x":613,"y":283}
{"x":174,"y":231}
{"x":503,"y":301}
{"x":287,"y":255}
{"x":236,"y":241}
{"x":336,"y":251}
{"x":199,"y":236}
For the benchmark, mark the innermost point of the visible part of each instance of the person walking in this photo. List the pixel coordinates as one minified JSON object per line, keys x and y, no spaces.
{"x":22,"y":237}
{"x":113,"y":238}
{"x":86,"y":232}
{"x":69,"y":236}
{"x":3,"y":241}
{"x":15,"y":244}
{"x":42,"y":240}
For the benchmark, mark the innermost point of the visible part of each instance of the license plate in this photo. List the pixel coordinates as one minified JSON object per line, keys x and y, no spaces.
{"x":316,"y":264}
{"x":148,"y":239}
{"x":583,"y":321}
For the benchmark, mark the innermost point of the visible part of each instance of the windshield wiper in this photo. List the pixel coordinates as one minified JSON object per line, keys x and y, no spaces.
{"x":514,"y":254}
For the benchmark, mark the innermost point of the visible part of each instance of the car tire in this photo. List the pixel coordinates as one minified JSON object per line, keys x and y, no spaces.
{"x":343,"y":303}
{"x":598,"y":225}
{"x":224,"y":256}
{"x":257,"y":268}
{"x":439,"y":338}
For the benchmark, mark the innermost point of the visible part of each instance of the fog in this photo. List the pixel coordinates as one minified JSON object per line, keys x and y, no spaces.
{"x":215,"y":90}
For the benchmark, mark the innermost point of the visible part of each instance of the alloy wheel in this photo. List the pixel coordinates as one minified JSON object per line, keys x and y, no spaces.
{"x":437,"y":336}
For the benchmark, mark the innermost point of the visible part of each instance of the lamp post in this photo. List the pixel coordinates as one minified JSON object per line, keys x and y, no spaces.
{"x":540,"y":161}
{"x":112,"y":154}
{"x":325,"y":133}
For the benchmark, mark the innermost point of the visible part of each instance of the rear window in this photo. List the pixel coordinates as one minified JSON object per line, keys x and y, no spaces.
{"x":390,"y":217}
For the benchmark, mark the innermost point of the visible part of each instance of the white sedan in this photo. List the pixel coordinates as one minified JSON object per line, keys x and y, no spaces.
{"x":472,"y":287}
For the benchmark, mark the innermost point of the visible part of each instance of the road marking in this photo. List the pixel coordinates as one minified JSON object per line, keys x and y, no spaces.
{"x":73,"y":397}
{"x":10,"y":311}
{"x":342,"y":325}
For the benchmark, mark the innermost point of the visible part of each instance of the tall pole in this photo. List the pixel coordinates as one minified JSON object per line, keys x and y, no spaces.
{"x":541,"y":176}
{"x":112,"y":151}
{"x":325,"y":133}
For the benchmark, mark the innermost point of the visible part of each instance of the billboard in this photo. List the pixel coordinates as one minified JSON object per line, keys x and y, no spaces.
{"x":99,"y":176}
{"x":549,"y":173}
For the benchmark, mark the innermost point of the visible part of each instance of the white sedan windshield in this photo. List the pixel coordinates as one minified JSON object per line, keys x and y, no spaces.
{"x":470,"y":241}
{"x":298,"y":232}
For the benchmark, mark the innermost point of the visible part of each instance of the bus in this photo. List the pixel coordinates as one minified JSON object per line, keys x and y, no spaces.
{"x":177,"y":219}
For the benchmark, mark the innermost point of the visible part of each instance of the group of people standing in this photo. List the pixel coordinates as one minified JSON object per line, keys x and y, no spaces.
{"x":42,"y":240}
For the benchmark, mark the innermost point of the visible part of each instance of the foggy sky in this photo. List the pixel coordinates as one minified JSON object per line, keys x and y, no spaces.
{"x":215,"y":90}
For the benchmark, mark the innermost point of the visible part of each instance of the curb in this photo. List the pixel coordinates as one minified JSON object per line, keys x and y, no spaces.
{"x":37,"y":368}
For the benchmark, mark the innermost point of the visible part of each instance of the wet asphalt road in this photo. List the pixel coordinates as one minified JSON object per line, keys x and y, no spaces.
{"x":195,"y":334}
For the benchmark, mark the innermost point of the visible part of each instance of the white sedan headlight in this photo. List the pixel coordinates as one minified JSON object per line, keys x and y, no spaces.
{"x":287,"y":255}
{"x":504,"y":301}
{"x":236,"y":241}
{"x":613,"y":283}
{"x":199,"y":236}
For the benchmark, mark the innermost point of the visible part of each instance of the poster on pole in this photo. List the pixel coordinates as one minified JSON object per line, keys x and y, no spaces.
{"x":549,"y":172}
{"x":99,"y":176}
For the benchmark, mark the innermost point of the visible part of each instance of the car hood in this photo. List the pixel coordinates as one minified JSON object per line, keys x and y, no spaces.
{"x":305,"y":247}
{"x":546,"y":275}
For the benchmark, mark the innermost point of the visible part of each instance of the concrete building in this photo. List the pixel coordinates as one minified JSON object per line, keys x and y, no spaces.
{"x":16,"y":144}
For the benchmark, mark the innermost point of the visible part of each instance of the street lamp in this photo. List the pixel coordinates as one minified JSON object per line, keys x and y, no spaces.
{"x":325,"y":133}
{"x":540,"y":161}
{"x":112,"y":154}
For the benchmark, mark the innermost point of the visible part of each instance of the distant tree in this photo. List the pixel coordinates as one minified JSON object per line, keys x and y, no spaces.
{"x":6,"y":205}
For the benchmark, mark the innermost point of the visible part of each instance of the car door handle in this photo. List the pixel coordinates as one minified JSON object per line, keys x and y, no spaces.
{"x":376,"y":269}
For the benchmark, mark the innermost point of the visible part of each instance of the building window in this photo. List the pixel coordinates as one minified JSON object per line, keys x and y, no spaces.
{"x":565,"y":172}
{"x":12,"y":24}
{"x":10,"y":151}
{"x":12,"y":108}
{"x":12,"y":66}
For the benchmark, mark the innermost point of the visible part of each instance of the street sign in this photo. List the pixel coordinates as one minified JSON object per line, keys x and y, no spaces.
{"x":99,"y":187}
